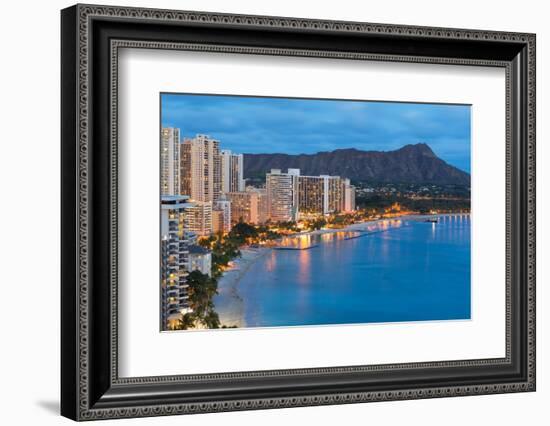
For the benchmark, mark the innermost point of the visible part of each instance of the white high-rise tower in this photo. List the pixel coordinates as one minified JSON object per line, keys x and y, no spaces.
{"x":201,"y":168}
{"x":232,"y":171}
{"x":170,"y":161}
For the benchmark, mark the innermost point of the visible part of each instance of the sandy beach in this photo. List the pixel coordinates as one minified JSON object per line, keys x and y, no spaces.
{"x":228,"y":304}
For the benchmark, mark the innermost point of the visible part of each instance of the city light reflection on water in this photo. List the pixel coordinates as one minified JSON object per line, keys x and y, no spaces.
{"x":307,"y":241}
{"x":304,"y":271}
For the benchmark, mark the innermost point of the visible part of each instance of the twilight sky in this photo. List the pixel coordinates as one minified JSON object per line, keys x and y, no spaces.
{"x":294,"y":126}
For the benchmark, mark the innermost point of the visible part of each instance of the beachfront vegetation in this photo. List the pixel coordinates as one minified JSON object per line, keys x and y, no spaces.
{"x":287,"y":227}
{"x":226,"y":247}
{"x":315,"y":224}
{"x":201,"y":290}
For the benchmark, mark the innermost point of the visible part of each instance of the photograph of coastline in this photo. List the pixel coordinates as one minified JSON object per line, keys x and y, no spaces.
{"x":278,"y":212}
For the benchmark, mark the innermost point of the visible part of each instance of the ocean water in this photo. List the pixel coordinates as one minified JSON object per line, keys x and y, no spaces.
{"x":401,"y":270}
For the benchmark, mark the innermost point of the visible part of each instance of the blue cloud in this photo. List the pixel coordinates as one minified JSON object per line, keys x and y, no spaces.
{"x":293,"y":126}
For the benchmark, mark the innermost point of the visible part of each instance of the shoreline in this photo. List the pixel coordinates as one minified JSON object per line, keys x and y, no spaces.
{"x":359,"y":225}
{"x":231,"y":310}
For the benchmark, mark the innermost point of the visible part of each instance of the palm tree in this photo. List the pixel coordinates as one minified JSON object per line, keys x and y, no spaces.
{"x":186,"y":322}
{"x":211,"y":319}
{"x":201,"y":290}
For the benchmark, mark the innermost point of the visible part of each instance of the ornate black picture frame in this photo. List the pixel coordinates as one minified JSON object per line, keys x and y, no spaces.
{"x":91,"y":36}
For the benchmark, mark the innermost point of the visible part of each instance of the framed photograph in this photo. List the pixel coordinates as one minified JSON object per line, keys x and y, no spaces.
{"x":263,"y":212}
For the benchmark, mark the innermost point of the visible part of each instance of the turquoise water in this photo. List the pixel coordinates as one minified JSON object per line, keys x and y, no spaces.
{"x":402,"y":270}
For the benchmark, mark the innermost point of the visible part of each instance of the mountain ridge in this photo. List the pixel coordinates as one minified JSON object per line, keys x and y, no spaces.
{"x":412,"y":163}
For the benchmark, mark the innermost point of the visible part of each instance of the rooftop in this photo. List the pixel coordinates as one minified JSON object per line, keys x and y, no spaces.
{"x":196,"y":249}
{"x":173,"y":199}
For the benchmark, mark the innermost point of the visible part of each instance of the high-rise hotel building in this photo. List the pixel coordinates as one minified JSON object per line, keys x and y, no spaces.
{"x":170,"y":161}
{"x":291,"y":195}
{"x":349,"y":196}
{"x":313,"y":194}
{"x":223,"y":205}
{"x":263,"y":215}
{"x":244,"y":206}
{"x":198,"y":217}
{"x":175,"y":243}
{"x":282,"y":195}
{"x":320,"y":194}
{"x":334,"y":194}
{"x":217,"y":221}
{"x":201,"y":168}
{"x":231,"y":171}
